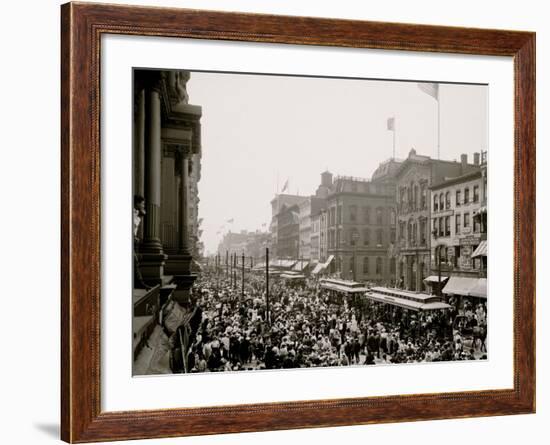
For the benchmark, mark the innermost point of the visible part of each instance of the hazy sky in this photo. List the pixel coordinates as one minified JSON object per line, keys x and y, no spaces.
{"x":256,"y":128}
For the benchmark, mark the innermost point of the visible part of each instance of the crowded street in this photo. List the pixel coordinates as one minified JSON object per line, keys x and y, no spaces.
{"x":306,"y":327}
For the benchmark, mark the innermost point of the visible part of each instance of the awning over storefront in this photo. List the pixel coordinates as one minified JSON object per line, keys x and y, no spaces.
{"x":300,"y":265}
{"x":470,"y":287}
{"x":435,"y":279}
{"x":481,"y":250}
{"x":318,"y":268}
{"x":322,"y":266}
{"x":480,"y":289}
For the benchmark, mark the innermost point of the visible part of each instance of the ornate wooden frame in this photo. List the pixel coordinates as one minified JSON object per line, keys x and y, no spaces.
{"x":81,"y":28}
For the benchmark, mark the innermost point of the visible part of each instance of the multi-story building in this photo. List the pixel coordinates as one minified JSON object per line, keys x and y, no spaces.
{"x":252,"y":244}
{"x":234,"y":242}
{"x":279,"y":202}
{"x":257,"y":242}
{"x":288,"y":232}
{"x":414,"y":178}
{"x":307,"y":208}
{"x":459,"y":224}
{"x":317,"y":233}
{"x":360,"y":221}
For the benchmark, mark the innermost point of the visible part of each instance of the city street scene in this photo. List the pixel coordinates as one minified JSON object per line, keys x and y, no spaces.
{"x":287,"y":222}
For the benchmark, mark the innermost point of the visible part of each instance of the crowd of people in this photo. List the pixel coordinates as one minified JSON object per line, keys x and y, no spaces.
{"x":307,"y":326}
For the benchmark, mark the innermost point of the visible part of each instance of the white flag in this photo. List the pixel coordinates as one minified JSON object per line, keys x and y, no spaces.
{"x":391,"y":123}
{"x":431,"y":89}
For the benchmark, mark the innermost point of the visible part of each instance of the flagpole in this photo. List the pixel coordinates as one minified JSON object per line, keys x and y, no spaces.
{"x":438,"y":128}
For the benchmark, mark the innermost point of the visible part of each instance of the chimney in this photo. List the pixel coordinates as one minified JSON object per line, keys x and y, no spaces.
{"x":464,"y":159}
{"x":476,"y":158}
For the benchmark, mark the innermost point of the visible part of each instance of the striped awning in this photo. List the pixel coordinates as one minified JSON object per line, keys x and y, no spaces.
{"x":481,"y":250}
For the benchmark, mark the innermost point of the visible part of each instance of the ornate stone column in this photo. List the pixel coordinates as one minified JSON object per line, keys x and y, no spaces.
{"x":180,"y":264}
{"x":139,"y":144}
{"x":152,"y":256}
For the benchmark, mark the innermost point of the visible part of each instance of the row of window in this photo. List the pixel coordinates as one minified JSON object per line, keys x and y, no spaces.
{"x":413,"y":198}
{"x":453,"y":254}
{"x":354,"y":237}
{"x":416,"y":231}
{"x":442,"y":201}
{"x":442,"y":225}
{"x":336,"y":215}
{"x":368,"y":265}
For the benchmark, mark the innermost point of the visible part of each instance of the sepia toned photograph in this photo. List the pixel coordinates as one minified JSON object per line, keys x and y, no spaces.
{"x":284,"y":222}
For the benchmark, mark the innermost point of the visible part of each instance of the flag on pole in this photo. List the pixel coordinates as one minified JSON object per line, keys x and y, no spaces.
{"x":431,"y":89}
{"x":391,"y":123}
{"x":285,"y":186}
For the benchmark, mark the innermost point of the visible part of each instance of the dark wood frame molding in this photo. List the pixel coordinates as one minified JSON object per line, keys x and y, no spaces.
{"x":82,"y":26}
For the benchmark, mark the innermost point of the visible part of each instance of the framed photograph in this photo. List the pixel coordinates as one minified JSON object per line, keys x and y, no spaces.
{"x":275,"y":222}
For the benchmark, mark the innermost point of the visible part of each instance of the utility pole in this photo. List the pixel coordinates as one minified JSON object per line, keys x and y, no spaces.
{"x":234,"y":270}
{"x":267,"y":315}
{"x":242,"y":284}
{"x":439,"y":270}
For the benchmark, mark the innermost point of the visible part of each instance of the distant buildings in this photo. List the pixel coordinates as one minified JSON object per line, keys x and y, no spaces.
{"x":411,"y":220}
{"x":288,"y":232}
{"x":252,"y":244}
{"x":308,"y":209}
{"x":278,"y":203}
{"x":424,"y":213}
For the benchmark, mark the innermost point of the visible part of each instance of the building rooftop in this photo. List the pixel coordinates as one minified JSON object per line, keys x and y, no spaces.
{"x":446,"y":182}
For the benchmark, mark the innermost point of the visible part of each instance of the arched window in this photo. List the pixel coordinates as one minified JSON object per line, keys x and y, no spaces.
{"x":441,"y":202}
{"x":392,"y":216}
{"x":366,"y":215}
{"x":353,"y":236}
{"x":379,"y":237}
{"x":423,"y":201}
{"x":410,"y":231}
{"x":447,"y":200}
{"x":378,"y":266}
{"x":366,"y":265}
{"x":435,"y":203}
{"x":366,"y":237}
{"x":379,"y":216}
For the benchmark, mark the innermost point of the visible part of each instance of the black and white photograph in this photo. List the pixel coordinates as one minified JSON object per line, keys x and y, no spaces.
{"x":283,"y":221}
